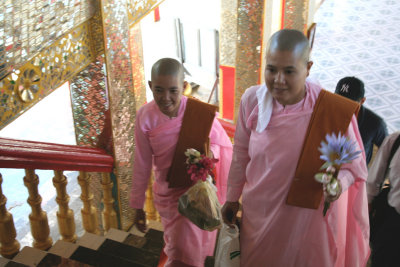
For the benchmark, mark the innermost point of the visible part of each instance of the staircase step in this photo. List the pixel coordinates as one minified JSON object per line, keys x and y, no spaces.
{"x":97,"y":258}
{"x":93,"y":255}
{"x":142,"y":251}
{"x":63,"y":248}
{"x":29,"y":256}
{"x":10,"y":263}
{"x":152,"y":240}
{"x":127,"y":252}
{"x":116,"y":248}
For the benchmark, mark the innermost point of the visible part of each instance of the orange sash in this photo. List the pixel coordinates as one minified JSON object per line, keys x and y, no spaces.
{"x":196,"y":126}
{"x":332,"y":114}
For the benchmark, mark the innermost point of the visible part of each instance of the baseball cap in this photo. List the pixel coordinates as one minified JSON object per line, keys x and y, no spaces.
{"x":350,"y":87}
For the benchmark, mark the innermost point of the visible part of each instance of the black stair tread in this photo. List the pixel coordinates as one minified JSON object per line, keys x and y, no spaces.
{"x":153,"y":241}
{"x":210,"y":261}
{"x":52,"y":260}
{"x":130,"y":253}
{"x":100,"y":259}
{"x":155,"y":235}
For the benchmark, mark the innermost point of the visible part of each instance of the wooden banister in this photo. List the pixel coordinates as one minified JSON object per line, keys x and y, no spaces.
{"x":50,"y":156}
{"x":31,"y":155}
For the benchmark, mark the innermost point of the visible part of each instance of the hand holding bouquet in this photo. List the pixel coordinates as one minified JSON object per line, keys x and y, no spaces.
{"x":200,"y":203}
{"x":336,"y":151}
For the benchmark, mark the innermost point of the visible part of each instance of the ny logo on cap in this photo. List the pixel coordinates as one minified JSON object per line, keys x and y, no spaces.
{"x":345,"y":88}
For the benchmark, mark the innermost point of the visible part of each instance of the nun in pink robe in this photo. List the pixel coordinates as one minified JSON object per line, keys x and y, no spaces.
{"x":156,"y":138}
{"x":273,"y":233}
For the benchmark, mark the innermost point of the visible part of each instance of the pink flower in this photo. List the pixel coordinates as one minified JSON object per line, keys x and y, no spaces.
{"x":199,"y":166}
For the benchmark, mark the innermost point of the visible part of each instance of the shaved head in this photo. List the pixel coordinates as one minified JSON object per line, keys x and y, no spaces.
{"x":167,"y":66}
{"x":290,"y":40}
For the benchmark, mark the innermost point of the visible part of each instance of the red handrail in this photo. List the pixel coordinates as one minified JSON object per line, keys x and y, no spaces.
{"x":229,"y":127}
{"x":49,"y":156}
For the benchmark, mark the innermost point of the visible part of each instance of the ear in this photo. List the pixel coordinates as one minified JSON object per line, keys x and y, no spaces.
{"x":149,"y":82}
{"x":362,"y":100}
{"x":309,"y":65}
{"x":184,"y":84}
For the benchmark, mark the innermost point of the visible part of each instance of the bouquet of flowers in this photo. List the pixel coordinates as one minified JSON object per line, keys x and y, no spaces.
{"x":200,"y":203}
{"x":336,"y":151}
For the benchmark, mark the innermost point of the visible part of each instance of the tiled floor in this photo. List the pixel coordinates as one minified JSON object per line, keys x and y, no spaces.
{"x":354,"y":37}
{"x":361,"y":38}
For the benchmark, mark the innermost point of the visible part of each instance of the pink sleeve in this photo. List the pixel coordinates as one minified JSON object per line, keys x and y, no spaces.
{"x":240,"y":157}
{"x":357,"y":169}
{"x":221,"y":147}
{"x":142,"y":166}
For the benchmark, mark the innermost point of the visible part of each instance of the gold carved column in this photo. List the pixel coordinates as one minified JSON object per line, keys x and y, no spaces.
{"x":242,"y":25}
{"x":121,"y":96}
{"x":228,"y":36}
{"x":107,"y":93}
{"x":295,"y":14}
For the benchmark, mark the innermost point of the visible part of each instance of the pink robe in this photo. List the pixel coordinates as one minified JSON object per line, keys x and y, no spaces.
{"x":273,"y":233}
{"x":156,"y":138}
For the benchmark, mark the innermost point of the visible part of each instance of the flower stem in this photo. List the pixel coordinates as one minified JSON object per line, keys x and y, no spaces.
{"x":326,"y":207}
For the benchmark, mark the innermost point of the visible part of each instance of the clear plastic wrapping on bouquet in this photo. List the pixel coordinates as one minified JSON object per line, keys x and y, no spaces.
{"x":201,"y":206}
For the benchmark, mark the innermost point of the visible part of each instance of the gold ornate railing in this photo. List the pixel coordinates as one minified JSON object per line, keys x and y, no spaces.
{"x":34,"y":155}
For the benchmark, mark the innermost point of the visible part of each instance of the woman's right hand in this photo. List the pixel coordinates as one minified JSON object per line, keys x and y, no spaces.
{"x":140,"y":220}
{"x":229,"y":211}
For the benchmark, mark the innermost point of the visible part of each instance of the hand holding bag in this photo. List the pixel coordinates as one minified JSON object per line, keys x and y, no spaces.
{"x":228,"y":248}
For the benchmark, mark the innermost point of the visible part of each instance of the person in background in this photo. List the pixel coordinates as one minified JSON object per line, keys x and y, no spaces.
{"x":385,"y":227}
{"x":372,"y":127}
{"x":282,"y":220}
{"x":157,"y":137}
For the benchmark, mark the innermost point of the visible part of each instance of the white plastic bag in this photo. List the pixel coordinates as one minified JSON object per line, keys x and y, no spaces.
{"x":228,"y":248}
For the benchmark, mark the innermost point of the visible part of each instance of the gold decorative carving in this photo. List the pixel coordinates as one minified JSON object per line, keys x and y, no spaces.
{"x":248,"y":55}
{"x":122,"y":98}
{"x":137,"y":9}
{"x":45,"y":72}
{"x":109,"y":214}
{"x":9,"y":245}
{"x":228,"y":32}
{"x":65,"y":216}
{"x":28,"y":26}
{"x":28,"y":85}
{"x":296,"y":15}
{"x":136,"y":53}
{"x":38,"y":218}
{"x":89,"y":212}
{"x":151,"y":212}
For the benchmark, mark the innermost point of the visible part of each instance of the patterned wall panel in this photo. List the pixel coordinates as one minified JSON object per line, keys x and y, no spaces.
{"x":228,"y":32}
{"x":28,"y":26}
{"x":92,"y":123}
{"x":248,"y":56}
{"x":136,"y":47}
{"x":122,"y":97}
{"x":227,"y":47}
{"x":45,"y":72}
{"x":137,"y":9}
{"x":295,"y":14}
{"x":90,"y":106}
{"x":96,"y":28}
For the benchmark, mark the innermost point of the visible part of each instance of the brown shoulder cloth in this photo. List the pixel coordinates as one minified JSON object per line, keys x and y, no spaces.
{"x":332,"y":114}
{"x":196,"y":126}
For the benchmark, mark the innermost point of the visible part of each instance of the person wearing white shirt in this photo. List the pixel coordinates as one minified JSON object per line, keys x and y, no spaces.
{"x":386,"y":242}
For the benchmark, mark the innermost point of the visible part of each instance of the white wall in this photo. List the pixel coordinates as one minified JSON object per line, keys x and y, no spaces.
{"x":159,"y":38}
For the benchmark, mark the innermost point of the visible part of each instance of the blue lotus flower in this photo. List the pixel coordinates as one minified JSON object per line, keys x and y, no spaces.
{"x":338,"y":150}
